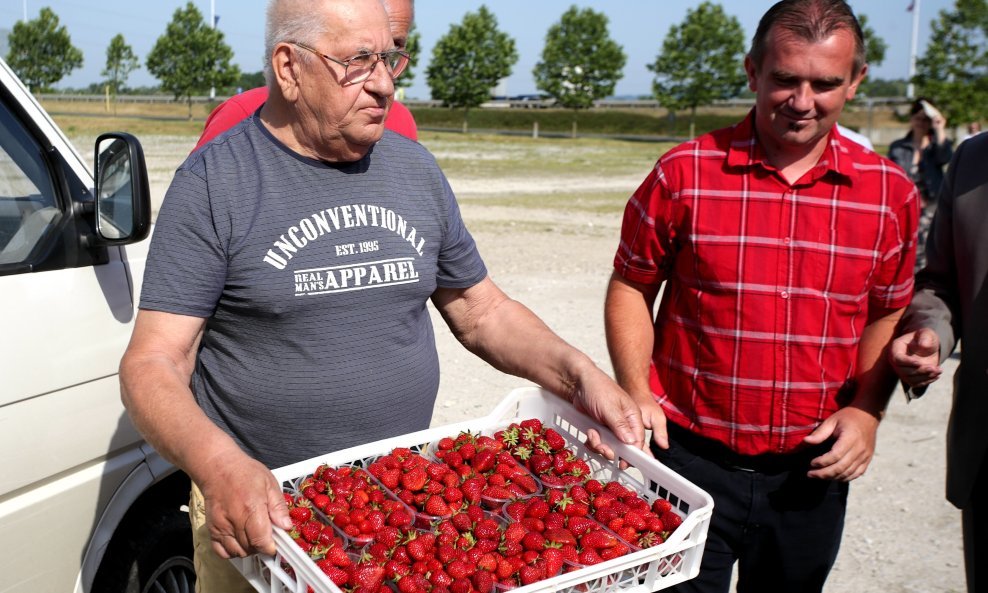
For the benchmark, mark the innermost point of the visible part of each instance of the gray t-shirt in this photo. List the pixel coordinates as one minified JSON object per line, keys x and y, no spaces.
{"x":314,"y":280}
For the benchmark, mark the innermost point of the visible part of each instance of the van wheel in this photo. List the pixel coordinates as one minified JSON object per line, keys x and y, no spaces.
{"x":153,"y":556}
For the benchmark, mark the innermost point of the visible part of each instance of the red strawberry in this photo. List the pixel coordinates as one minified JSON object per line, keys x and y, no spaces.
{"x":555,"y":440}
{"x":559,"y":536}
{"x":529,"y":574}
{"x":483,"y":581}
{"x":300,"y":514}
{"x":487,"y":529}
{"x":589,"y":557}
{"x":598,"y":539}
{"x":533,"y":541}
{"x":436,"y":506}
{"x":553,"y":558}
{"x":367,"y":575}
{"x":671,"y":521}
{"x":414,"y":480}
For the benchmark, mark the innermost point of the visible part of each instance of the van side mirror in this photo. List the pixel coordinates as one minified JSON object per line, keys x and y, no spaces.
{"x":123,"y":200}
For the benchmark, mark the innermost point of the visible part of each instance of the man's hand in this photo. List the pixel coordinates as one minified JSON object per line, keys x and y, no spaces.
{"x":602,"y":399}
{"x":243,"y":500}
{"x":915,"y":356}
{"x":855,"y":430}
{"x":654,"y":419}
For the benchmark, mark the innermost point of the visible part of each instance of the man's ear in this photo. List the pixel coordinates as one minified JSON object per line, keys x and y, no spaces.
{"x":286,"y":70}
{"x":749,"y":69}
{"x":853,"y":88}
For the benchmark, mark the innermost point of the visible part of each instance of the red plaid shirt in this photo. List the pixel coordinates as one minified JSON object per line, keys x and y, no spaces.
{"x":769,"y":284}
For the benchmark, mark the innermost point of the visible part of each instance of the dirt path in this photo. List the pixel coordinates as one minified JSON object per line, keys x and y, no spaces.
{"x":900,"y":535}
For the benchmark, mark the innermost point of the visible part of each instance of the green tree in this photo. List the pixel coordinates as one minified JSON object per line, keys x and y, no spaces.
{"x":120,"y":62}
{"x":413,"y":46}
{"x":702,"y":61}
{"x":41,"y":52}
{"x":875,"y":46}
{"x":580,"y":62}
{"x":191,"y":57}
{"x":954,"y":70}
{"x":469,"y":60}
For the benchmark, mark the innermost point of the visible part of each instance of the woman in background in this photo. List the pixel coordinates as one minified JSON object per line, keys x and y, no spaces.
{"x":923,"y":153}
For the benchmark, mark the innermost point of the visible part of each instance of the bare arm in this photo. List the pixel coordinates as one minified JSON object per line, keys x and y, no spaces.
{"x":856,"y":425}
{"x":514,"y":340}
{"x":630,"y":340}
{"x":154,"y":374}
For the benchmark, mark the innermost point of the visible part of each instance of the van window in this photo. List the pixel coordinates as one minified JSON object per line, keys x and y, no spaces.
{"x":28,"y":206}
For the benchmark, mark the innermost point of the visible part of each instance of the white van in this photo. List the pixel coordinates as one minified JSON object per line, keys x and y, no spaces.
{"x":85,"y":504}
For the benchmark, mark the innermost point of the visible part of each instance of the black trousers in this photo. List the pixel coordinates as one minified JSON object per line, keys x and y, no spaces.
{"x":782,"y":528}
{"x":974,"y":521}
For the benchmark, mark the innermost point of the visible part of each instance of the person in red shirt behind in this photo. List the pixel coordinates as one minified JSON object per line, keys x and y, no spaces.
{"x":787,"y":255}
{"x":238,"y":107}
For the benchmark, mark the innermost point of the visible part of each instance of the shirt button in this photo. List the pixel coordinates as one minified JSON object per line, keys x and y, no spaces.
{"x":784,"y":294}
{"x":787,"y":240}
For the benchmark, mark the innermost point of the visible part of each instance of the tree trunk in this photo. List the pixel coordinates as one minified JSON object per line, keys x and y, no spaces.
{"x":693,"y":122}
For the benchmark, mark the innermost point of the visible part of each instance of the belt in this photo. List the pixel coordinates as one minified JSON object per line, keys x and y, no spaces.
{"x":765,"y":463}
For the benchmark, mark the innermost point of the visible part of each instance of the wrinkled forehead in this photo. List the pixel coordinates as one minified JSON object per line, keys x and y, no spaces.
{"x":356,"y":25}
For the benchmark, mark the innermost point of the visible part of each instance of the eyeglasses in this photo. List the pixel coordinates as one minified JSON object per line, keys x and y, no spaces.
{"x":359,"y":67}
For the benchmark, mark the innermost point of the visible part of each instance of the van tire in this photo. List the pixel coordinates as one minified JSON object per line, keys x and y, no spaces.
{"x":153,"y":555}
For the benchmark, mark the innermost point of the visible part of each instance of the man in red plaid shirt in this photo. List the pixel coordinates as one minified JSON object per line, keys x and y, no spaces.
{"x":787,"y":255}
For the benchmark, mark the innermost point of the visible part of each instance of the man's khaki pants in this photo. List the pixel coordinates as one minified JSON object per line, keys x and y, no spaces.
{"x":213,"y":574}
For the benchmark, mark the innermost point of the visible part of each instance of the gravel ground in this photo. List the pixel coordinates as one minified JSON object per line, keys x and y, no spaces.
{"x":900,"y":535}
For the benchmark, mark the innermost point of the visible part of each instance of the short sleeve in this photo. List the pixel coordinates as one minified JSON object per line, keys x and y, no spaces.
{"x":645,"y":252}
{"x":187,"y":264}
{"x":460,"y":264}
{"x":894,"y":280}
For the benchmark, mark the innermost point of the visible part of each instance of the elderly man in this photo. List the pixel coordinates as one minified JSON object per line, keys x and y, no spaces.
{"x":787,"y":251}
{"x":232,"y":111}
{"x":284,"y":308}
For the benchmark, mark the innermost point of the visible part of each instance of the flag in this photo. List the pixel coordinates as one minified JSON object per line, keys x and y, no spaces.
{"x":911,"y":6}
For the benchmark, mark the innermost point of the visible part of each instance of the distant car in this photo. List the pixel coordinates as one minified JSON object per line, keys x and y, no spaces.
{"x":534,"y":101}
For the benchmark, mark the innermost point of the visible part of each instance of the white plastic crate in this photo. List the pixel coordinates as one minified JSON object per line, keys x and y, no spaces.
{"x":651,"y":569}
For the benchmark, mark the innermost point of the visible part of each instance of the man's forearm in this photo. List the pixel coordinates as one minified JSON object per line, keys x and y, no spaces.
{"x":165,"y":412}
{"x":630,"y":336}
{"x":876,"y":380}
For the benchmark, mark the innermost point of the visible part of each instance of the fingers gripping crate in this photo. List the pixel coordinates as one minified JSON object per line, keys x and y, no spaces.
{"x":675,"y":560}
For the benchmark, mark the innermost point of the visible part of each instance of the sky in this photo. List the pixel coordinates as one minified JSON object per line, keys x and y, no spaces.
{"x":638,"y":25}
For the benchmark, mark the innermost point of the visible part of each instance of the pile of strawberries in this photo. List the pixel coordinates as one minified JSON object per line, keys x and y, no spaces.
{"x":469,"y":516}
{"x":329,"y":551}
{"x":544,"y":452}
{"x":489,"y":474}
{"x":354,"y":502}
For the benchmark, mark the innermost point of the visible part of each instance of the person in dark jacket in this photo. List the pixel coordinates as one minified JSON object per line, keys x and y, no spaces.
{"x":923,"y":153}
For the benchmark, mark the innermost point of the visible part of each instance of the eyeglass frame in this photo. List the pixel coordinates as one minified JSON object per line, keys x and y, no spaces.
{"x":346,"y":63}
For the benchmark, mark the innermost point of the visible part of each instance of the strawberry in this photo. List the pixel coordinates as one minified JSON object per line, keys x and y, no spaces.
{"x":367,"y":575}
{"x":300,"y":514}
{"x":414,"y":480}
{"x":598,"y":539}
{"x":487,"y":529}
{"x":483,"y":581}
{"x":555,"y":440}
{"x":533,"y":540}
{"x":529,"y":574}
{"x":553,"y":559}
{"x":589,"y":557}
{"x":671,"y":521}
{"x":437,"y":507}
{"x":559,"y":536}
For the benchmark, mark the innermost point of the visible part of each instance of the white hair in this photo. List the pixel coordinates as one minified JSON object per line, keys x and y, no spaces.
{"x":287,"y":21}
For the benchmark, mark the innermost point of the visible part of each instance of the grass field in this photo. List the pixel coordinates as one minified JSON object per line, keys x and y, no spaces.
{"x":171,"y":118}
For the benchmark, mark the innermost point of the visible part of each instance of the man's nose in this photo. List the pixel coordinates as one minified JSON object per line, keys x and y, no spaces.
{"x":802,"y":97}
{"x":380,"y":81}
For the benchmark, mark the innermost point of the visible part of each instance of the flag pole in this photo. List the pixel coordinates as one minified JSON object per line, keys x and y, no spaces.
{"x":911,"y":88}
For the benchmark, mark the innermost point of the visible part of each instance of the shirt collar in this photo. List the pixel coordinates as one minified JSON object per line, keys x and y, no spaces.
{"x":746,"y":152}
